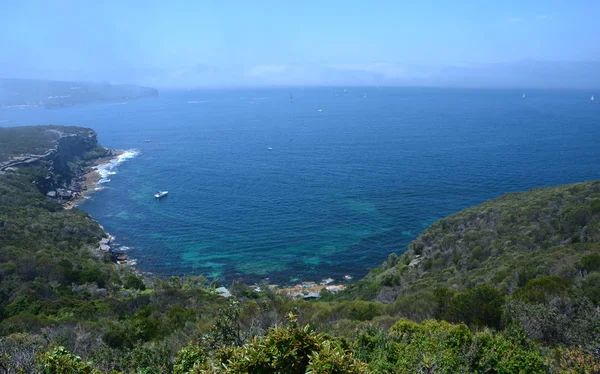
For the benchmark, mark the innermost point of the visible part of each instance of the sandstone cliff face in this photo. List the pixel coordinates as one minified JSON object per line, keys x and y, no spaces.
{"x":62,"y":150}
{"x":70,"y":148}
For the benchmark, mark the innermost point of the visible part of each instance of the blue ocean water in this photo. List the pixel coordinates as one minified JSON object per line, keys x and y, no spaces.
{"x":353,"y":175}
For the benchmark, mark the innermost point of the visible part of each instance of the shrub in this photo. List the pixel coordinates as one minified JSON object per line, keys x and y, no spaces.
{"x":132,"y":281}
{"x":479,"y":306}
{"x":591,"y":262}
{"x":290,"y":349}
{"x":190,"y":359}
{"x":495,"y":353}
{"x":591,"y":287}
{"x":61,"y":361}
{"x":540,"y":290}
{"x":364,"y":311}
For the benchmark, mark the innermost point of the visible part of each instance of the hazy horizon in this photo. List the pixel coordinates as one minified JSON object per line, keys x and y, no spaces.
{"x":351,"y":43}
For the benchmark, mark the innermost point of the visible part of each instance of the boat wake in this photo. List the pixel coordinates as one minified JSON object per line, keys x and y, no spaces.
{"x":110,"y":168}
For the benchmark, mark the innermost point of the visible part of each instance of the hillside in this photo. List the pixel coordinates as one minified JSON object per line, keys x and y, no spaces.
{"x":504,"y":242}
{"x":52,"y":94}
{"x":512,"y":285}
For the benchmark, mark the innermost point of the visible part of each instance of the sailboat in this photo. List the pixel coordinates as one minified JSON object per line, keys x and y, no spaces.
{"x":523,"y":96}
{"x":592,"y":98}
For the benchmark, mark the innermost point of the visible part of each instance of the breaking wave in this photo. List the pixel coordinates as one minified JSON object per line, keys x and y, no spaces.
{"x":110,"y":168}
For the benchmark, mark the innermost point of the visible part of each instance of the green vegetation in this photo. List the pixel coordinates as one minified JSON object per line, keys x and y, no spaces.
{"x":505,"y":243}
{"x":510,"y":286}
{"x":35,"y":140}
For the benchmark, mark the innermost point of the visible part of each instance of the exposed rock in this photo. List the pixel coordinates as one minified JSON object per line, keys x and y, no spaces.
{"x":64,"y":194}
{"x":311,"y":295}
{"x":334,"y":288}
{"x":222,"y":291}
{"x":121,"y":258}
{"x":414,"y":262}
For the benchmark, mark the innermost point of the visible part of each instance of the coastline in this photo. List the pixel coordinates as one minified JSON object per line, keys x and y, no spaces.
{"x":91,"y":181}
{"x":92,"y":177}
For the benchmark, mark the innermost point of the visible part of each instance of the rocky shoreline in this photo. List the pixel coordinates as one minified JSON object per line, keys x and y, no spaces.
{"x":84,"y":182}
{"x":88,"y":185}
{"x":87,"y":181}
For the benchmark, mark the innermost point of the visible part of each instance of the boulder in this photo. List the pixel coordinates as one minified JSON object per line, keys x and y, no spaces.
{"x":222,"y":291}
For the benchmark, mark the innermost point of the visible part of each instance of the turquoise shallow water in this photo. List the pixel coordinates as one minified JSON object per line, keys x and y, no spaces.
{"x":341,"y":189}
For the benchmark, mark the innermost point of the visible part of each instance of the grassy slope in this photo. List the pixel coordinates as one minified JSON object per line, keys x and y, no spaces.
{"x":503,"y":242}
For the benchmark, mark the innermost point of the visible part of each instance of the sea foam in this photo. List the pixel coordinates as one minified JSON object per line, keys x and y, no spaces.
{"x":110,"y":168}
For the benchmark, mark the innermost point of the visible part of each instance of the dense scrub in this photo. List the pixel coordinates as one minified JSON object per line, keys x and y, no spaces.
{"x":512,"y":285}
{"x":505,"y":242}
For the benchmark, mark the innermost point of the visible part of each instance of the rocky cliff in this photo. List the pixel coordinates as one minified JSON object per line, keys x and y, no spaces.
{"x":70,"y":149}
{"x":64,"y":151}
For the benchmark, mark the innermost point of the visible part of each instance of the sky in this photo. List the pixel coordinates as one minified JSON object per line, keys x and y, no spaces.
{"x":196,"y":43}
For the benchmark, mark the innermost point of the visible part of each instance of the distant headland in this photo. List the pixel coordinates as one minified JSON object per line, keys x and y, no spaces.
{"x":56,"y":94}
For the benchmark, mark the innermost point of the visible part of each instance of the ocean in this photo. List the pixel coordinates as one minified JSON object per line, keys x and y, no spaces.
{"x":352,"y":174}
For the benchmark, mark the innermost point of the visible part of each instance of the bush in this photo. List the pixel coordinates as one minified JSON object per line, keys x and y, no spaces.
{"x":591,"y":287}
{"x":117,"y":338}
{"x":61,"y":361}
{"x":541,"y":290}
{"x":432,"y":346}
{"x":479,"y":306}
{"x":292,"y":350}
{"x":190,"y":359}
{"x":132,"y":281}
{"x":364,"y":311}
{"x":591,"y":262}
{"x":497,"y":354}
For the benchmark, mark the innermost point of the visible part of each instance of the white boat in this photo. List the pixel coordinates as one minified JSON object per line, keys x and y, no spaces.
{"x":160,"y":194}
{"x":270,"y":149}
{"x":147,"y":140}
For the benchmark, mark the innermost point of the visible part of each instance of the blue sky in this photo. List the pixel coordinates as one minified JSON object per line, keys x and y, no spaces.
{"x":207,"y":43}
